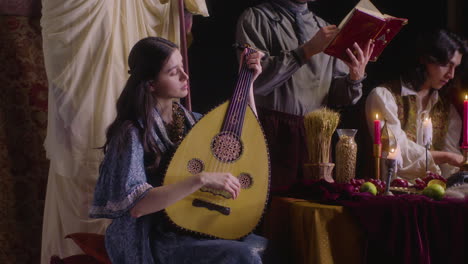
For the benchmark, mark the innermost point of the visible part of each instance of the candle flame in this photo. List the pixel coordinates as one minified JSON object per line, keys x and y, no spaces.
{"x":466,"y":96}
{"x":376,"y":116}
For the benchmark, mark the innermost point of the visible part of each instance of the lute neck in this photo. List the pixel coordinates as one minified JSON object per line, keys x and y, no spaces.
{"x":234,"y":119}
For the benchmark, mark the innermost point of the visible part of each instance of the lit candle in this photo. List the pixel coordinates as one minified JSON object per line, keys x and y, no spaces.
{"x":427,"y":131}
{"x":377,"y":130}
{"x":392,"y":154}
{"x":465,"y":122}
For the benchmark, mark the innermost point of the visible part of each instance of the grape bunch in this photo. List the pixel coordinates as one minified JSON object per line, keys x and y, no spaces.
{"x":379,"y":184}
{"x":419,"y":184}
{"x":356,"y":183}
{"x":422,"y":183}
{"x":400,"y":183}
{"x":433,"y":176}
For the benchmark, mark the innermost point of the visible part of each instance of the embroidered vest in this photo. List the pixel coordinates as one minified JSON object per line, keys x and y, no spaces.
{"x":407,"y":114}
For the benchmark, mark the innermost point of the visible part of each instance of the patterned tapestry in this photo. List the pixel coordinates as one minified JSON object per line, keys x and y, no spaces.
{"x":23,"y":122}
{"x":20,"y":7}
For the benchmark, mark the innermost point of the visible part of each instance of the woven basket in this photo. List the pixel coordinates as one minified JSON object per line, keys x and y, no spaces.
{"x":319,"y":171}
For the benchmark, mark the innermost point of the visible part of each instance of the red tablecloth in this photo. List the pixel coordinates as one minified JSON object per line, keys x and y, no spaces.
{"x":400,"y":228}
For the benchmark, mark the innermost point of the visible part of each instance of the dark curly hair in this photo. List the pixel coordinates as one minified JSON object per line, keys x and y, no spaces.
{"x":434,"y":46}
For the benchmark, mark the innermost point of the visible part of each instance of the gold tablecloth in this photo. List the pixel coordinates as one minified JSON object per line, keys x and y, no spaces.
{"x":310,"y":232}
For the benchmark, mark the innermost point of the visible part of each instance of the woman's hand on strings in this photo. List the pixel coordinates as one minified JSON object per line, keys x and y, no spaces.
{"x":221,"y":181}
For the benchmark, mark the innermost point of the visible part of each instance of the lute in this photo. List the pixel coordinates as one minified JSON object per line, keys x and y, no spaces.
{"x":227,"y":139}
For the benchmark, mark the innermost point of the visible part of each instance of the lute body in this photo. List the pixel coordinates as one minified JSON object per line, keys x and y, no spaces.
{"x":227,"y":139}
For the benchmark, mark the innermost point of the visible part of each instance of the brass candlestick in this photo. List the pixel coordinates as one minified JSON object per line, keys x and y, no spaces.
{"x":464,"y":166}
{"x":388,"y":140}
{"x":391,"y":170}
{"x":377,"y":155}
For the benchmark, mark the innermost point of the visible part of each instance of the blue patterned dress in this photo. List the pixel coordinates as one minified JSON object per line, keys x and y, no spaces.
{"x":149,"y":239}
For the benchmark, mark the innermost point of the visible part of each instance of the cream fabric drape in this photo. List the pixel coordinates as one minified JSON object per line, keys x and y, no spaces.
{"x":86,"y":45}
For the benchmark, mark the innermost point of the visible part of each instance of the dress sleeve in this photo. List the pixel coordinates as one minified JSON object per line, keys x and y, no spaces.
{"x":122,"y":179}
{"x":197,"y":116}
{"x":253,"y":29}
{"x":381,"y":101}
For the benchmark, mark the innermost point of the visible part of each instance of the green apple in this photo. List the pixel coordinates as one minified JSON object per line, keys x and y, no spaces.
{"x":434,"y":191}
{"x":368,"y":187}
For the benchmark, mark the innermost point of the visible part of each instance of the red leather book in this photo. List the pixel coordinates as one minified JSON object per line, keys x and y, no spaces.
{"x":364,"y":22}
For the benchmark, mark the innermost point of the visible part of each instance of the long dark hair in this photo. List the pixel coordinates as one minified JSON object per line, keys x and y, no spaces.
{"x":433,"y":46}
{"x":135,"y":106}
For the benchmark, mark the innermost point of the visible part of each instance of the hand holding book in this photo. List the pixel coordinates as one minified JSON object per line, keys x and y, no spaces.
{"x":359,"y":59}
{"x":364,"y":22}
{"x":320,"y":40}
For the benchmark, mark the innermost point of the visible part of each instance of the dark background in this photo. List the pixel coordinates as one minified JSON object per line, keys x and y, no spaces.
{"x":213,"y":63}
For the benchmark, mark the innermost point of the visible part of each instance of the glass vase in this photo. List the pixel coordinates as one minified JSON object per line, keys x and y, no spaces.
{"x":345,"y":156}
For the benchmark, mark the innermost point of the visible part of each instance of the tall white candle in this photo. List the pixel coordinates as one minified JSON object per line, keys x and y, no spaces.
{"x":427,"y":131}
{"x":395,"y":154}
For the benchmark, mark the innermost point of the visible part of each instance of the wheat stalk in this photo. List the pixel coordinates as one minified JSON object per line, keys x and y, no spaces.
{"x":319,"y":127}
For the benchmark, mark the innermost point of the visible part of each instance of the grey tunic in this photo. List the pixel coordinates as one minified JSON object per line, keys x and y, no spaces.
{"x":289,"y":82}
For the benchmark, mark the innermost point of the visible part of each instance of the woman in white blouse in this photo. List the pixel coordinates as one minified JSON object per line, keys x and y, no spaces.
{"x":419,"y":93}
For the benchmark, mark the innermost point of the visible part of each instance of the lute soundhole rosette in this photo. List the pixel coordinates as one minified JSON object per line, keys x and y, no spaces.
{"x":226,"y":147}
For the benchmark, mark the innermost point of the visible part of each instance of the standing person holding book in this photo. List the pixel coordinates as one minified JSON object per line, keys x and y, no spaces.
{"x":423,"y":90}
{"x":297,"y":78}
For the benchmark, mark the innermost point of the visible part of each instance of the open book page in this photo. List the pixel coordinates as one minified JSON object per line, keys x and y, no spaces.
{"x":365,"y":6}
{"x":372,"y":13}
{"x":388,"y":16}
{"x":368,"y":5}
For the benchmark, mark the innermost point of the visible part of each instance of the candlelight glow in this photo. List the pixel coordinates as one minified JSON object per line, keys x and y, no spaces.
{"x":393,"y":153}
{"x":466,"y":96}
{"x":376,"y":116}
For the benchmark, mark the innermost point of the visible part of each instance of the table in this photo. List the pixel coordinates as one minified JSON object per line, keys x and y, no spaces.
{"x":362,"y":228}
{"x":310,"y":232}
